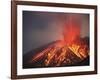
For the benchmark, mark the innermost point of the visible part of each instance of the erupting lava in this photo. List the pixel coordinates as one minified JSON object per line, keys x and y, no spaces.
{"x":71,"y":30}
{"x":70,"y":51}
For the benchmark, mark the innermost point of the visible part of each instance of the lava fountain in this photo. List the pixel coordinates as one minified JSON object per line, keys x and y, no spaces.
{"x":71,"y":29}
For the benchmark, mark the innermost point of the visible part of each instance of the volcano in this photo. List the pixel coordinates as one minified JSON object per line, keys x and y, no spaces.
{"x":72,"y":50}
{"x":57,"y":54}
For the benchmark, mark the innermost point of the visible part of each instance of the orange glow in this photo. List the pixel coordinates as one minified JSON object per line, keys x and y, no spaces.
{"x":71,"y":30}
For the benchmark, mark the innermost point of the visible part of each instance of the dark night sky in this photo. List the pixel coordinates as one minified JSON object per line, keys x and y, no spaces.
{"x":40,"y":28}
